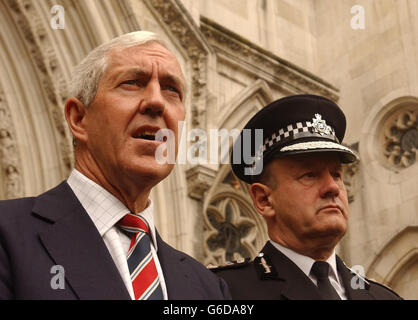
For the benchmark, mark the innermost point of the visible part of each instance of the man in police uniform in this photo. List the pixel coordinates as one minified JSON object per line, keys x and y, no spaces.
{"x":296,"y":185}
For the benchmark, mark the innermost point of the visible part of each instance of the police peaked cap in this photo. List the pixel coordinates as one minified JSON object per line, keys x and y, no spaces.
{"x":295,"y":124}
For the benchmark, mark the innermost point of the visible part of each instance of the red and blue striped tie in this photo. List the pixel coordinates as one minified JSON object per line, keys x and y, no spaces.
{"x":144,"y":275}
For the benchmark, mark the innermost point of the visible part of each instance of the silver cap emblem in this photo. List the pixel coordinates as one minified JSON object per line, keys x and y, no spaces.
{"x":320,"y":126}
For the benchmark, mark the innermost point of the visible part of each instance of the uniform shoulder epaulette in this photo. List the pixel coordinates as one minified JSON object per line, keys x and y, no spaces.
{"x":384,"y":286}
{"x":230,"y":264}
{"x":368,"y":281}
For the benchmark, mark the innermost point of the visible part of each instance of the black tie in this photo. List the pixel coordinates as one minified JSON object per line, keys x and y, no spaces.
{"x":320,"y":270}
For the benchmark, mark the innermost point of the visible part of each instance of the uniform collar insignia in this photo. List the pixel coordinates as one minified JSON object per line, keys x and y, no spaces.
{"x":264,"y":267}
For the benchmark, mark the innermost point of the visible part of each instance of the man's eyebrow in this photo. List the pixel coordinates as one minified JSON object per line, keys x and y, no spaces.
{"x":139,"y":73}
{"x":134,"y":72}
{"x":172,"y":78}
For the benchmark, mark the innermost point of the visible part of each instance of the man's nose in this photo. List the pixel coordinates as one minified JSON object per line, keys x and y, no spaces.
{"x":329,"y":186}
{"x":152,"y":101}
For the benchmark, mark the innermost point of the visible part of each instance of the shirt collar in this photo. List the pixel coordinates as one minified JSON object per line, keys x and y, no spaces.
{"x":305,"y":263}
{"x":104,"y":209}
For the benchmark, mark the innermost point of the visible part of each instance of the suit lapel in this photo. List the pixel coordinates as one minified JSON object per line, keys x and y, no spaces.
{"x":175,"y":271}
{"x":350,"y":280}
{"x":296,"y":285}
{"x":73,"y":242}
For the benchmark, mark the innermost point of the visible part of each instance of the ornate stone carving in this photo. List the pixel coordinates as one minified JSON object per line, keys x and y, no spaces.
{"x":229,"y":234}
{"x":28,"y":18}
{"x":199,"y":179}
{"x":13,"y":182}
{"x":9,"y":157}
{"x":228,"y":231}
{"x":175,"y":17}
{"x":400,"y":138}
{"x":232,"y":228}
{"x":248,"y":53}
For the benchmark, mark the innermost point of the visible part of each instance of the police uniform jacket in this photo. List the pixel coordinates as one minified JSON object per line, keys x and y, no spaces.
{"x":272,"y":276}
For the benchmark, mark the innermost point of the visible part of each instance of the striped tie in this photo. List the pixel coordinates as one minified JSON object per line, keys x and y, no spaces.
{"x":144,"y":275}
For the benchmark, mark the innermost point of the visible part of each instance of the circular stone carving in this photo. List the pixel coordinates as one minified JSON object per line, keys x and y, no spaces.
{"x":400,"y":138}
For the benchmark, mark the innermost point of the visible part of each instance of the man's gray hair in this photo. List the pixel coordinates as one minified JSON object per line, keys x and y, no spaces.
{"x":86,"y":75}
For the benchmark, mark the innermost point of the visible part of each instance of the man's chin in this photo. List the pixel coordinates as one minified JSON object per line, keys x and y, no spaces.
{"x":149,"y":172}
{"x":331,"y":231}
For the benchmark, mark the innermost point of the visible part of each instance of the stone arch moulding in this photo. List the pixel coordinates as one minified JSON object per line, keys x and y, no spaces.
{"x":245,"y":104}
{"x":259,"y":90}
{"x":381,"y":139}
{"x":32,"y":22}
{"x":252,"y":59}
{"x":10,"y":158}
{"x":33,"y":85}
{"x":400,"y":251}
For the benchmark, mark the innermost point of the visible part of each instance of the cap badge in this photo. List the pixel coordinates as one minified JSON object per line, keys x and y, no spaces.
{"x":320,"y":126}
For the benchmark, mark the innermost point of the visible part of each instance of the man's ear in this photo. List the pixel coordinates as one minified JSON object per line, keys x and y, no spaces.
{"x":75,"y":112}
{"x":260,"y":194}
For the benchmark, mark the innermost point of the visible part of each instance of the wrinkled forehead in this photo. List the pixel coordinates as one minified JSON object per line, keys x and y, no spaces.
{"x":141,"y":54}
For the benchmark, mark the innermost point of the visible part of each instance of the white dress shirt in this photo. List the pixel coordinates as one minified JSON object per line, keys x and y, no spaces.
{"x":105,"y":210}
{"x":305,"y":264}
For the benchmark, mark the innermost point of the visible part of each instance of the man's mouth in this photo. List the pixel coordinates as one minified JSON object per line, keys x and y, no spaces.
{"x":332,"y":207}
{"x":146,"y":133}
{"x":146,"y":136}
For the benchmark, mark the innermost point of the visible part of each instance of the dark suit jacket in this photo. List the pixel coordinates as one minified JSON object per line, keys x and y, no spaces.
{"x":54,"y":229}
{"x":281,"y":279}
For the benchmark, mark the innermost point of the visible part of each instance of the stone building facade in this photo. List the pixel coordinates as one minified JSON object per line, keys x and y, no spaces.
{"x":237,"y":56}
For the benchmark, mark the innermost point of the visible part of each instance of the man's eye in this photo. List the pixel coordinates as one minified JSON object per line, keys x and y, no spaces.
{"x":309,"y":174}
{"x":173,"y":89}
{"x":337,"y":175}
{"x":308,"y":178}
{"x":130,"y":82}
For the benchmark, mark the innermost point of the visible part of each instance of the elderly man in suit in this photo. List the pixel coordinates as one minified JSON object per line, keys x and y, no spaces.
{"x":297,"y":186}
{"x":96,"y":229}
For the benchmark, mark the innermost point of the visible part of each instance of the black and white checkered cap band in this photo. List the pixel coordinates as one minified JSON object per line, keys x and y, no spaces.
{"x":296,"y":131}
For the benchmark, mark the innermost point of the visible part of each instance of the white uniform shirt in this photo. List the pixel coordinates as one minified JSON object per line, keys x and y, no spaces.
{"x":105,"y":210}
{"x":305,"y":264}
